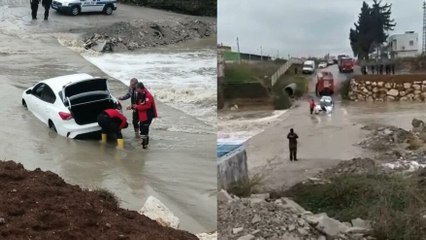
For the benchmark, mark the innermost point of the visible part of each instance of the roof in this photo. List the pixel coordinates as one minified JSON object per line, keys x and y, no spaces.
{"x":57,"y":83}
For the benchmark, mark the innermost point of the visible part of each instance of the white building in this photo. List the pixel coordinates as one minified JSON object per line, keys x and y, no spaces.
{"x":404,"y":45}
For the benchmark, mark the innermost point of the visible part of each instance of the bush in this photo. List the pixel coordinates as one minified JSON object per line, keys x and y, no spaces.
{"x":344,"y":89}
{"x":244,"y":188}
{"x":395,"y":203}
{"x":282,"y":101}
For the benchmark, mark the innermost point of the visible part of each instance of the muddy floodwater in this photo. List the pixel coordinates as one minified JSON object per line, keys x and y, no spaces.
{"x":179,"y":168}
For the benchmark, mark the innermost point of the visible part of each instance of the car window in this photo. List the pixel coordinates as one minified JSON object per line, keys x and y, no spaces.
{"x":38,"y":90}
{"x":47,"y":95}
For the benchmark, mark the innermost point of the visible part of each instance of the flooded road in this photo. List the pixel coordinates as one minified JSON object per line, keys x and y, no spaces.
{"x":179,"y":168}
{"x":324,"y":140}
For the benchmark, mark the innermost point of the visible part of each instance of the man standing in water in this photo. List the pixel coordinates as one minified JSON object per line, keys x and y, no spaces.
{"x":133,"y":95}
{"x":34,"y":8}
{"x":292,"y":138}
{"x":147,"y":112}
{"x":46,"y":4}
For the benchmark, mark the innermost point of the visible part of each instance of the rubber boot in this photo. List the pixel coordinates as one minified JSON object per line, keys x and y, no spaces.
{"x":120,"y":143}
{"x":103,"y":138}
{"x":137,"y":135}
{"x":147,"y":140}
{"x":144,"y":142}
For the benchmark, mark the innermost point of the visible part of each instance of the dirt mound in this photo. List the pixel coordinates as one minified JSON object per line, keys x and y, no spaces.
{"x":354,"y":166}
{"x":40,"y":205}
{"x":131,"y":36}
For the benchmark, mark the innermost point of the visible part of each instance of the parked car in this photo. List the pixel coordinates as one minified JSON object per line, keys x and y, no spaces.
{"x":69,"y":105}
{"x":322,"y":65}
{"x":75,"y":7}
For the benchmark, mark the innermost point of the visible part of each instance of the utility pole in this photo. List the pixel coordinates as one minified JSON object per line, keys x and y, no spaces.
{"x":238,"y":49}
{"x":261,"y":56}
{"x":424,"y":30}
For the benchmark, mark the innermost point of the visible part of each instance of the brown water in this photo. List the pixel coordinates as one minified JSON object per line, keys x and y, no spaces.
{"x":179,"y":168}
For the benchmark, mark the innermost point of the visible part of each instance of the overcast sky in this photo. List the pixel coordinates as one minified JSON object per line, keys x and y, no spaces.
{"x":303,"y":27}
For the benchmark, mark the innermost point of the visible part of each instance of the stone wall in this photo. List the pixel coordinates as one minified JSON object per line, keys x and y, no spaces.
{"x":404,"y":89}
{"x":232,"y":169}
{"x":195,"y":7}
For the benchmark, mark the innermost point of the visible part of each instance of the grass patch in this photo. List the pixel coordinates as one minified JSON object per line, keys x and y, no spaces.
{"x":244,"y":188}
{"x":108,"y":196}
{"x":282,"y":101}
{"x":246,"y":73}
{"x":396,"y":204}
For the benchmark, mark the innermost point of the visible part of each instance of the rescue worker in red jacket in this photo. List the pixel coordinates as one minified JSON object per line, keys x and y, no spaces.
{"x":147,"y":112}
{"x":312,"y":105}
{"x":112,"y":121}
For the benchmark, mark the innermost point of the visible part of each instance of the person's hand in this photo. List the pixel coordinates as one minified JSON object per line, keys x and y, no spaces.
{"x":129,"y":108}
{"x":134,"y":106}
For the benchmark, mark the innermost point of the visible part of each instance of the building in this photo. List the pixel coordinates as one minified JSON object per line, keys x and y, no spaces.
{"x":404,"y":45}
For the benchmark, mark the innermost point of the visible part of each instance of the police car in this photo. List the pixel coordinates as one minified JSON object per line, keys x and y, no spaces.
{"x":75,"y":7}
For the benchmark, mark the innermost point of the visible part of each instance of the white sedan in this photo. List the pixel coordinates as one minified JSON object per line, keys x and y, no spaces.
{"x":69,"y":105}
{"x":326,"y":105}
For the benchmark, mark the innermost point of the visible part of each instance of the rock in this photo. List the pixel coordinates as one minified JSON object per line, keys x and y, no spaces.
{"x":108,"y":225}
{"x":375,"y":90}
{"x":393,"y":92}
{"x":255,"y":232}
{"x":256,"y":219}
{"x":301,"y":222}
{"x":156,"y":210}
{"x":407,"y":85}
{"x":246,"y":237}
{"x":417,"y":87}
{"x":237,"y":230}
{"x":322,"y":238}
{"x":356,"y":230}
{"x":223,"y":196}
{"x":416,"y":123}
{"x":100,"y":46}
{"x":312,"y":220}
{"x":207,"y":236}
{"x":291,"y":228}
{"x":380,"y":84}
{"x":2,"y":221}
{"x":331,"y":227}
{"x":303,"y":231}
{"x":292,"y":205}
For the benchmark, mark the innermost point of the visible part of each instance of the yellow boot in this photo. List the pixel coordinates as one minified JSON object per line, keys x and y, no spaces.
{"x":120,"y":143}
{"x":103,"y":138}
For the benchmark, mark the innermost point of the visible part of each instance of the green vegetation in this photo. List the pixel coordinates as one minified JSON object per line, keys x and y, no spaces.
{"x":246,"y":73}
{"x":345,"y":87}
{"x":395,"y":203}
{"x":244,"y":188}
{"x":282,"y":101}
{"x":371,"y":29}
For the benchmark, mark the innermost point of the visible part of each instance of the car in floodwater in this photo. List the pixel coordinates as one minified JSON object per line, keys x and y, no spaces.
{"x":322,"y":65}
{"x":69,"y":105}
{"x":75,"y":7}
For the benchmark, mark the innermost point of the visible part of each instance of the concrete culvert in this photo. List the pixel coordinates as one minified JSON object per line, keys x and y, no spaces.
{"x":290,"y":89}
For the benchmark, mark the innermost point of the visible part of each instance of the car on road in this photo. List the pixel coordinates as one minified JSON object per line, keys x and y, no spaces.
{"x":322,"y":65}
{"x":330,"y":62}
{"x":326,"y":105}
{"x":75,"y":7}
{"x":308,"y":67}
{"x":69,"y":105}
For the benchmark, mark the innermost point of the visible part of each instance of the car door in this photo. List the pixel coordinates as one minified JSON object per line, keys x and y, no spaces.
{"x":48,"y":109}
{"x":88,"y":5}
{"x":35,"y":102}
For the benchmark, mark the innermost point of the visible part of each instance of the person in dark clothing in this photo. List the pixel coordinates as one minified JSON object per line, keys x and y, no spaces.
{"x":372,"y":69}
{"x":393,"y":68}
{"x":46,"y":4}
{"x":381,"y":69}
{"x":133,"y":95}
{"x":147,"y":112}
{"x":292,"y":138}
{"x":112,"y":121}
{"x":34,"y":8}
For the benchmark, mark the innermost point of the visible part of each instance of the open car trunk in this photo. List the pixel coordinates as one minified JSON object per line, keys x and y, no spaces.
{"x":87,"y":99}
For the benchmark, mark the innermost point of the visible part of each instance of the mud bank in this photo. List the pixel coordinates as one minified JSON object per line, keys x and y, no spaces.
{"x":49,"y":208}
{"x":123,"y":36}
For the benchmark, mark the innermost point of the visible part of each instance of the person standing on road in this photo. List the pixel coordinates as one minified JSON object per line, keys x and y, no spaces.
{"x":112,"y":121}
{"x":147,"y":112}
{"x":133,"y":95}
{"x":292,"y":138}
{"x":34,"y":8}
{"x":312,"y":106}
{"x":46,"y":4}
{"x":393,"y":68}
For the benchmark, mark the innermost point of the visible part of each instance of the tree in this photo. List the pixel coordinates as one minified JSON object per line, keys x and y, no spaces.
{"x":371,"y":29}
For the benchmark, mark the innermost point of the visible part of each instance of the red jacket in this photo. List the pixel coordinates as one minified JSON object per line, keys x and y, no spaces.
{"x":146,"y":110}
{"x":117,"y":117}
{"x":311,"y":104}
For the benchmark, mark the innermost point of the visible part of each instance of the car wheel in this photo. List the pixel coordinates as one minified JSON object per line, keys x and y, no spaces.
{"x":52,"y":126}
{"x":24,"y":104}
{"x":75,"y":11}
{"x":108,"y":10}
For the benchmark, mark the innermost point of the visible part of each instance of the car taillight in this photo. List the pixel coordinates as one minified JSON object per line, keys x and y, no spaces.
{"x":65,"y":116}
